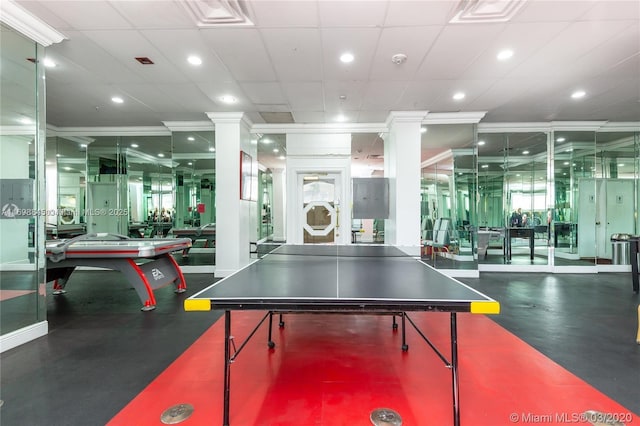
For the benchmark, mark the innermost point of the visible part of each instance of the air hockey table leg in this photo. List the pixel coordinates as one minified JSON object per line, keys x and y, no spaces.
{"x":60,"y":279}
{"x":58,"y":286}
{"x":638,"y":335}
{"x":181,"y":283}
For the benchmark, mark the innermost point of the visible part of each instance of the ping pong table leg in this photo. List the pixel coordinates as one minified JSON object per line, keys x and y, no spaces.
{"x":405,"y":347}
{"x":227,"y":365}
{"x":454,"y":369}
{"x":269,"y":339}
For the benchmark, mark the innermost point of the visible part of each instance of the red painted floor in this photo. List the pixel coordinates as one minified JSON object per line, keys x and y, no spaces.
{"x":10,"y":294}
{"x":334,"y":370}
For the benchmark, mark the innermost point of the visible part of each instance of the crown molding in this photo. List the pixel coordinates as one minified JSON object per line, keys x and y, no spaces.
{"x":28,"y":24}
{"x":108,"y":131}
{"x":189,"y":126}
{"x":321,"y":128}
{"x":470,"y":117}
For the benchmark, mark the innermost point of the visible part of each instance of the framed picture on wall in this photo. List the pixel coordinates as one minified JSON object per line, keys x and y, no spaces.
{"x":245,"y":175}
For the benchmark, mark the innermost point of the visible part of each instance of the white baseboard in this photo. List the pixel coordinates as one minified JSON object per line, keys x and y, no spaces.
{"x":461,"y":273}
{"x":23,"y":335}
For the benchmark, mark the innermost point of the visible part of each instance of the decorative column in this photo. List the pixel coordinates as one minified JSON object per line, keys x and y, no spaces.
{"x":402,"y":167}
{"x":279,"y":205}
{"x":236,"y":212}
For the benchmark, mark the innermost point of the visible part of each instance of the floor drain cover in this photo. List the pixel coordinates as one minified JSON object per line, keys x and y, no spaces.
{"x":176,"y":414}
{"x":385,"y":417}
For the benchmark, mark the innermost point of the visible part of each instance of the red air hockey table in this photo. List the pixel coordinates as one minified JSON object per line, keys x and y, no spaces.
{"x":155,"y":268}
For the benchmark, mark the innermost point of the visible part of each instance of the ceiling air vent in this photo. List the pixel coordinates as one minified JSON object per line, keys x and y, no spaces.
{"x":211,"y":13}
{"x":481,"y":11}
{"x":144,"y":60}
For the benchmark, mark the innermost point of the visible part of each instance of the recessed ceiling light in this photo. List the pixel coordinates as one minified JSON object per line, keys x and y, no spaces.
{"x":276,"y":150}
{"x":49,"y":63}
{"x":254,"y":141}
{"x":525,"y":152}
{"x":347,"y":57}
{"x":161,"y":155}
{"x":190,"y":163}
{"x":191,"y":138}
{"x":83,"y":145}
{"x":67,"y":168}
{"x":228,"y":99}
{"x":560,"y":140}
{"x":578,"y":94}
{"x":134,"y":145}
{"x":212,"y":149}
{"x":58,"y":155}
{"x":620,"y":165}
{"x":566,"y":163}
{"x":480,"y":143}
{"x":266,"y":140}
{"x":25,"y":120}
{"x":505,"y":54}
{"x":484,"y":166}
{"x":194,"y":60}
{"x":458,"y":96}
{"x":282,"y":157}
{"x":117,"y":100}
{"x":423,"y":130}
{"x":341,"y":118}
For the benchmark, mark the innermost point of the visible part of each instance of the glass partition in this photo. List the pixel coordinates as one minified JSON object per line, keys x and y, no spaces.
{"x":265,"y":201}
{"x":22,"y":188}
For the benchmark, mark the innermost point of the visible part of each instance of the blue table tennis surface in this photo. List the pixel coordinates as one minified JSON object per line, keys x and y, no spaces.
{"x":332,"y":277}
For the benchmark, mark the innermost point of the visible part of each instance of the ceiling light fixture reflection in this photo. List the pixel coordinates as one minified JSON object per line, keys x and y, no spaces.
{"x":347,"y":57}
{"x":212,"y":149}
{"x":484,"y":166}
{"x":191,"y":138}
{"x":282,"y":157}
{"x":161,"y":155}
{"x":480,"y":143}
{"x":458,"y":96}
{"x":49,"y":63}
{"x":276,"y":150}
{"x":560,"y":140}
{"x":134,"y":145}
{"x":117,"y":100}
{"x":266,"y":140}
{"x":341,"y":118}
{"x":423,"y":130}
{"x":25,"y":120}
{"x":525,"y":152}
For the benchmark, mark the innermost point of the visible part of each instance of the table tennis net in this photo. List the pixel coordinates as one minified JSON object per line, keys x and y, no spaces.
{"x":334,"y":250}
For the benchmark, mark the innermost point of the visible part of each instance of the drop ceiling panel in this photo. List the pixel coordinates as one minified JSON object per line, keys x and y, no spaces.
{"x":214,"y":89}
{"x":614,"y":10}
{"x":89,"y":15}
{"x":304,"y":96}
{"x":352,"y":90}
{"x":523,"y":39}
{"x":352,"y":13}
{"x":559,"y":55}
{"x":360,"y":42}
{"x":264,"y":93}
{"x":295,"y":53}
{"x":45,"y":14}
{"x":555,"y":11}
{"x":456,"y":49}
{"x":383,"y":94}
{"x":125,"y":46}
{"x":417,"y":13}
{"x":166,"y":14}
{"x":242,"y":51}
{"x":414,"y":42}
{"x":177,"y":45}
{"x":165,"y":97}
{"x":377,"y":116}
{"x":285,"y":14}
{"x":309,"y":117}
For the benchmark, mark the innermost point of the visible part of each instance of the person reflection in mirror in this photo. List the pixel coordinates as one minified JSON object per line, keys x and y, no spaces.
{"x":516,"y":218}
{"x":524,"y":220}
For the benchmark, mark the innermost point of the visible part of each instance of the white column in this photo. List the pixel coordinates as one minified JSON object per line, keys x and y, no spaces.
{"x":236,"y":219}
{"x":402,"y":167}
{"x":278,"y":211}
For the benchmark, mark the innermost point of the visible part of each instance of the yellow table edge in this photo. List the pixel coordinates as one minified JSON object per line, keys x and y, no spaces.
{"x":197,"y":305}
{"x":485,"y":307}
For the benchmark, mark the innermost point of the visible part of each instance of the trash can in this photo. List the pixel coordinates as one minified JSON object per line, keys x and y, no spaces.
{"x":620,"y":249}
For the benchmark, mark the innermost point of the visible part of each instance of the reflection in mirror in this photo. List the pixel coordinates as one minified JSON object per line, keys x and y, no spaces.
{"x":574,"y":168}
{"x":448,"y":188}
{"x":607,"y":201}
{"x":193,"y":155}
{"x":513,"y":203}
{"x":272,"y":151}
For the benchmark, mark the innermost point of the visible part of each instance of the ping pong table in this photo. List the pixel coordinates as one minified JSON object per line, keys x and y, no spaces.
{"x":205,"y":232}
{"x":351,"y":279}
{"x":155,"y":269}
